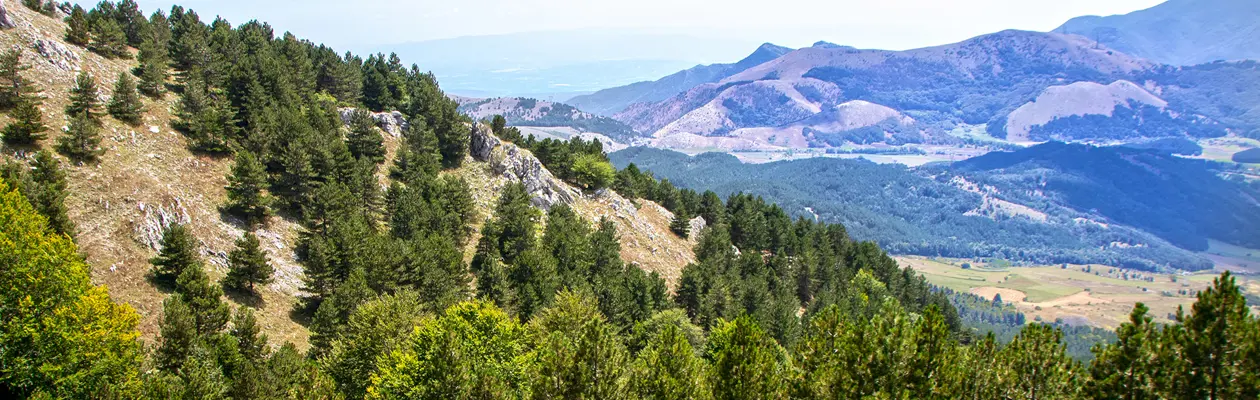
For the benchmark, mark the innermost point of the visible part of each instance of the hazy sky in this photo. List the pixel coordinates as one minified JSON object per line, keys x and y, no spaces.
{"x":887,"y":24}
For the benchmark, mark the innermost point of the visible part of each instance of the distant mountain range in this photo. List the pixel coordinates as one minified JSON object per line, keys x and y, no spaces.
{"x":1015,"y":85}
{"x":1010,"y":86}
{"x":1179,"y":32}
{"x":614,"y":100}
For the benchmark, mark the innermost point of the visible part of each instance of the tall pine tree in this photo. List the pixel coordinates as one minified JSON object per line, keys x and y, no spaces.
{"x":248,"y":265}
{"x":27,"y":128}
{"x":125,"y":104}
{"x":85,"y":98}
{"x":82,"y":142}
{"x":14,"y":88}
{"x":78,"y":30}
{"x":245,"y":189}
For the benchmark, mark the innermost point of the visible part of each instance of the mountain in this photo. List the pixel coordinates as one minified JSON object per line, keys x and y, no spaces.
{"x":520,"y":111}
{"x":614,"y":100}
{"x":1179,"y":32}
{"x":1178,"y":199}
{"x":1052,"y":202}
{"x":1011,"y":82}
{"x":987,"y":209}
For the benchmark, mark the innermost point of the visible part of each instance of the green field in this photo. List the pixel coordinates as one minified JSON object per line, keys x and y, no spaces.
{"x":1096,"y":292}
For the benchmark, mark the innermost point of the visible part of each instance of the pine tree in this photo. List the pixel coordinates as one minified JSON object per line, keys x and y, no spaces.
{"x":179,"y":252}
{"x":669,"y":368}
{"x":579,"y":355}
{"x":125,"y":104}
{"x":681,"y":224}
{"x":204,"y":299}
{"x":1121,"y":370}
{"x":14,"y":88}
{"x":49,"y":192}
{"x":250,"y":341}
{"x":745,"y":360}
{"x":27,"y":128}
{"x":85,"y":98}
{"x":78,"y":31}
{"x":82,"y":142}
{"x":154,"y":57}
{"x":245,"y":189}
{"x":248,"y":265}
{"x":178,"y":329}
{"x":108,"y":39}
{"x":364,"y":139}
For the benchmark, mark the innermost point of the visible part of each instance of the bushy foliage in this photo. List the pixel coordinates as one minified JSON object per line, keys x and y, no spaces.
{"x":60,"y":336}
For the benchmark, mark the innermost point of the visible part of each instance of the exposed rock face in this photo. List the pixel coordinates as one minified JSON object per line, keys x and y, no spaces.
{"x":156,"y":218}
{"x":57,"y":54}
{"x":519,"y":165}
{"x":392,"y":122}
{"x":6,"y":21}
{"x":482,"y":142}
{"x":697,"y":224}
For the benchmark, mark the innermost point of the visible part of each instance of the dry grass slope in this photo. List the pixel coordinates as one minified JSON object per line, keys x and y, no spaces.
{"x":147,"y":178}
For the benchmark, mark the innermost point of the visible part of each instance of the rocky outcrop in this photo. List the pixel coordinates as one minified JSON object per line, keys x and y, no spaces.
{"x":393,"y":123}
{"x":156,"y":218}
{"x":57,"y":54}
{"x":696,"y":225}
{"x":519,"y":165}
{"x":6,"y":20}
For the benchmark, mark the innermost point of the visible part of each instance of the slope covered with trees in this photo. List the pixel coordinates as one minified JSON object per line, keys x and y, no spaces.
{"x":925,"y":211}
{"x":772,"y":307}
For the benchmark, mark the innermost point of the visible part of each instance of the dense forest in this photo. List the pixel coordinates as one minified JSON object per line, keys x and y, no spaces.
{"x":915,"y":211}
{"x":773,"y":307}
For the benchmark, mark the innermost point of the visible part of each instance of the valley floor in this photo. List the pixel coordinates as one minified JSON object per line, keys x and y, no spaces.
{"x":1097,"y":295}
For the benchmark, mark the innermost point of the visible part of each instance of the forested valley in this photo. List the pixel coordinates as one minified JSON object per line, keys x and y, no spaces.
{"x":774,"y":306}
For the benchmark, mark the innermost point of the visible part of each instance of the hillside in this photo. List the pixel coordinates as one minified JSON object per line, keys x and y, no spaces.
{"x":1014,"y":85}
{"x":527,"y":112}
{"x":1178,"y":199}
{"x":613,"y":100}
{"x":964,"y":213}
{"x":1179,"y":32}
{"x":147,"y":179}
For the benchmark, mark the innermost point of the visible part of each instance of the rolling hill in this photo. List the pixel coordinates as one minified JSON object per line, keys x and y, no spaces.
{"x":1179,"y":32}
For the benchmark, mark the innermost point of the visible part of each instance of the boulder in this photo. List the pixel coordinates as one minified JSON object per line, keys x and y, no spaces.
{"x":697,"y":224}
{"x":393,"y":123}
{"x":6,"y":20}
{"x":57,"y":54}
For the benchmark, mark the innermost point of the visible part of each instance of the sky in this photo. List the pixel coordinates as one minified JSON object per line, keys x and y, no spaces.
{"x":888,"y":24}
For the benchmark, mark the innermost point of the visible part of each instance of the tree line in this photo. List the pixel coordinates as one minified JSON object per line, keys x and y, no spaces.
{"x":772,"y":308}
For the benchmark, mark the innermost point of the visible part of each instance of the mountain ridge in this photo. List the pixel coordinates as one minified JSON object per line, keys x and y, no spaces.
{"x":1179,"y":32}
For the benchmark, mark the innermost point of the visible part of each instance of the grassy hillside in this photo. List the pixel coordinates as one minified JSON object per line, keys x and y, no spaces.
{"x":148,"y":178}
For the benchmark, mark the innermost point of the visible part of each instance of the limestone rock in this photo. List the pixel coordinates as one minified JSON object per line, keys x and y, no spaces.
{"x":482,"y":142}
{"x":519,"y":165}
{"x":697,"y":224}
{"x":156,"y":219}
{"x":6,"y":21}
{"x":393,"y":123}
{"x":57,"y":54}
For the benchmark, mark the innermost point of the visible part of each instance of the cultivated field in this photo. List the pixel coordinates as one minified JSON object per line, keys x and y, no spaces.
{"x":1101,"y":295}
